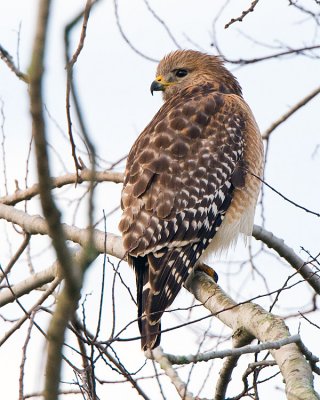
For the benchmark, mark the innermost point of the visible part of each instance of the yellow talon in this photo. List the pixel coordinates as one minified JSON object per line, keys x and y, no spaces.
{"x":209,"y":271}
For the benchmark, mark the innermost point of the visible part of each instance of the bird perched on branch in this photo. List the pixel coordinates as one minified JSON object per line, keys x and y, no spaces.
{"x":191,"y":183}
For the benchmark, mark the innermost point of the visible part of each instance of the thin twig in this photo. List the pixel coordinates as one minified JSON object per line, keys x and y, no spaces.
{"x":161,"y":21}
{"x":24,"y":357}
{"x":89,"y":247}
{"x":119,"y":367}
{"x":70,"y":64}
{"x":310,"y":322}
{"x":125,"y":373}
{"x":16,"y":256}
{"x":292,"y":110}
{"x":251,"y":368}
{"x":7,"y":58}
{"x":300,"y":50}
{"x":102,"y":290}
{"x":3,"y":147}
{"x":87,"y":376}
{"x":310,"y":357}
{"x":41,"y":394}
{"x":243,"y":14}
{"x":285,"y":197}
{"x":126,"y":39}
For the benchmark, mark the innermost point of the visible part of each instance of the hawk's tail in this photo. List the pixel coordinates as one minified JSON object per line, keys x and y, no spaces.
{"x":159,"y":280}
{"x":149,"y":325}
{"x":160,"y":277}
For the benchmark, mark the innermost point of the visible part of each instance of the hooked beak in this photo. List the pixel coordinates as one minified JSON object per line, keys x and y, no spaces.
{"x":159,"y":84}
{"x":156,"y":86}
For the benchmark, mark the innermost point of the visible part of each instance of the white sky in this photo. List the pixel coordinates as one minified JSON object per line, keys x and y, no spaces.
{"x":113,"y":85}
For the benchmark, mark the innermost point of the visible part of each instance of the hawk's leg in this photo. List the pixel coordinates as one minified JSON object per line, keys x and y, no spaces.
{"x":208,"y":270}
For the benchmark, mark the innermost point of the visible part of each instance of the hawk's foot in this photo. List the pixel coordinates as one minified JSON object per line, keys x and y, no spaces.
{"x":208,"y":270}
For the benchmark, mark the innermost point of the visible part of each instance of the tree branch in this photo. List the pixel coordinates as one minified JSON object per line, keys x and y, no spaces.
{"x":45,"y":295}
{"x":16,"y":256}
{"x":71,"y":86}
{"x":165,"y":364}
{"x":243,"y":14}
{"x":264,"y":326}
{"x":26,"y":286}
{"x":37,"y":280}
{"x":248,"y":61}
{"x":84,"y":175}
{"x":126,"y":39}
{"x":7,"y":58}
{"x":251,"y":317}
{"x":69,"y":296}
{"x":240,"y":338}
{"x":289,"y":255}
{"x":37,"y":225}
{"x":161,"y":21}
{"x":49,"y":208}
{"x":210,"y":355}
{"x":292,"y":110}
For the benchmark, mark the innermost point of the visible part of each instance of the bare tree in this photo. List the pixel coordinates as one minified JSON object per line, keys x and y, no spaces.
{"x":66,"y":283}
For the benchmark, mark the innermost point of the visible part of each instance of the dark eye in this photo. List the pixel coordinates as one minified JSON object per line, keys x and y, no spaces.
{"x":180,"y":73}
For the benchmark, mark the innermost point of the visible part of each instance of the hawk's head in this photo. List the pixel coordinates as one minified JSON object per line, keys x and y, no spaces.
{"x":188,"y":68}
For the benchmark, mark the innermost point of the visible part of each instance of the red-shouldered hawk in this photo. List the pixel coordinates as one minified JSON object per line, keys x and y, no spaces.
{"x":188,"y":189}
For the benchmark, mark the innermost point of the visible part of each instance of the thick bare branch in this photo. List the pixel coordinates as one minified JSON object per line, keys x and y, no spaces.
{"x":210,"y":355}
{"x":50,"y":210}
{"x":277,"y":244}
{"x":265,"y":327}
{"x":85,"y":175}
{"x":38,"y":225}
{"x":44,"y":296}
{"x":240,"y":338}
{"x":256,"y":321}
{"x":69,"y":296}
{"x":165,"y":364}
{"x":26,"y":286}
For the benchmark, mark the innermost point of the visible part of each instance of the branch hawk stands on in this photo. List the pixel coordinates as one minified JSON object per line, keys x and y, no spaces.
{"x":188,"y":188}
